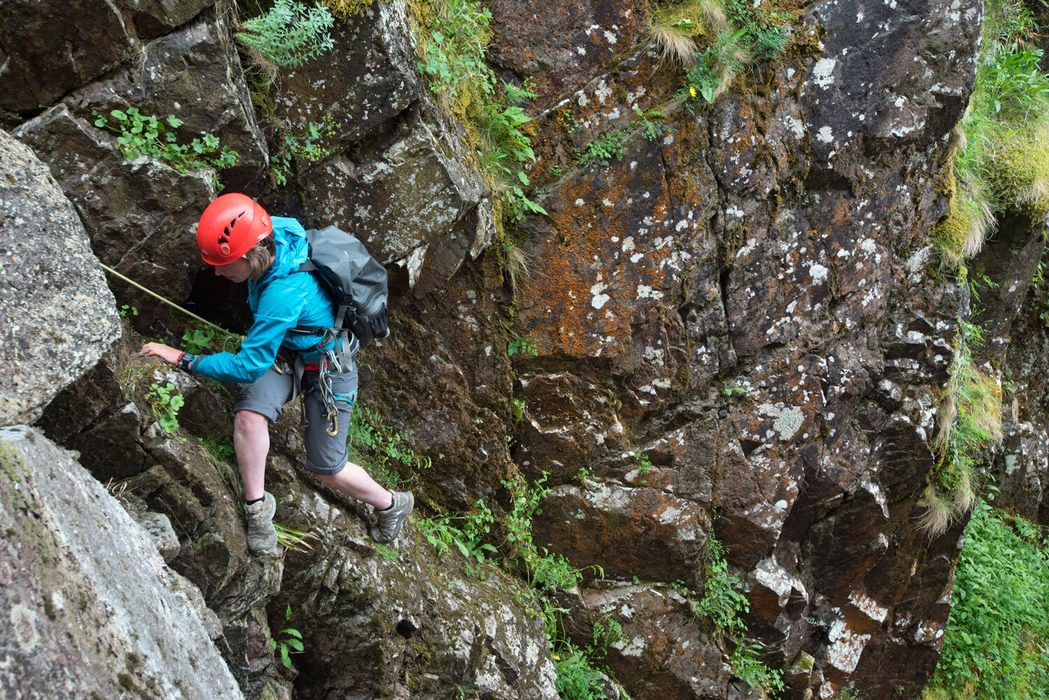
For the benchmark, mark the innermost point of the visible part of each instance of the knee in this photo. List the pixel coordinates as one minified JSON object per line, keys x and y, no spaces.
{"x":249,"y":423}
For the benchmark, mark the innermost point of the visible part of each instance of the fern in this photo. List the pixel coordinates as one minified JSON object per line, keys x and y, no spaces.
{"x":290,"y":34}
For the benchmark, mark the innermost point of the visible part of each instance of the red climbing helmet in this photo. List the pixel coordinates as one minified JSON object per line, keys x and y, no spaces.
{"x":230,"y":226}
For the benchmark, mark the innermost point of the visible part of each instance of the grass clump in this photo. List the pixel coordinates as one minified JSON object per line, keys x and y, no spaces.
{"x":715,"y":40}
{"x":970,"y":421}
{"x":452,"y":49}
{"x":997,"y":641}
{"x":289,"y":34}
{"x":1002,"y":161}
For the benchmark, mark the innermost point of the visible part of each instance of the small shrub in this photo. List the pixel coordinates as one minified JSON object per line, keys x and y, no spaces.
{"x":577,"y":679}
{"x":289,"y":34}
{"x":146,"y":135}
{"x":521,"y":346}
{"x":305,"y":146}
{"x":606,"y":148}
{"x":166,"y":402}
{"x":289,"y":642}
{"x":466,"y":532}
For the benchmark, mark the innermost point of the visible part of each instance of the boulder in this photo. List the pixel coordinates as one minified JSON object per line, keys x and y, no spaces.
{"x":194,"y":74}
{"x":94,"y":611}
{"x":58,"y":315}
{"x":416,"y":622}
{"x":665,"y":650}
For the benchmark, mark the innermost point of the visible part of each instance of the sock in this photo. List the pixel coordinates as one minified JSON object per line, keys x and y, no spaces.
{"x":257,"y":500}
{"x":383,"y":510}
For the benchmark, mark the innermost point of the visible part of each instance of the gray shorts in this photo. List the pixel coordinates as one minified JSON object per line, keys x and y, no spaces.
{"x":325,"y":454}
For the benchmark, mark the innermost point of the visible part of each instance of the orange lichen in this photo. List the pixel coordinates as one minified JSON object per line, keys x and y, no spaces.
{"x":584,"y":250}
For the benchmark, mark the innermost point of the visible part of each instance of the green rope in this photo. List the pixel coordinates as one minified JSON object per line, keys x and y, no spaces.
{"x":170,"y":303}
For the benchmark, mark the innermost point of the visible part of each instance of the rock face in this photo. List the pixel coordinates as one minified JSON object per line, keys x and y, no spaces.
{"x":735,"y":328}
{"x":58,"y":316}
{"x":93,"y":609}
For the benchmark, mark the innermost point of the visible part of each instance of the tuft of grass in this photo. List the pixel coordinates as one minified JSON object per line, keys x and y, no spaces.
{"x":517,"y":265}
{"x":970,"y":421}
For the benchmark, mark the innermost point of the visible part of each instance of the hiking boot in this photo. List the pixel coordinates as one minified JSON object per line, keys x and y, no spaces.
{"x":392,"y":519}
{"x":262,"y":537}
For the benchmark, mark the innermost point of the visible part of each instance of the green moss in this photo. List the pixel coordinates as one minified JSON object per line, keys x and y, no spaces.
{"x":12,"y":463}
{"x":1017,"y":171}
{"x":348,"y":9}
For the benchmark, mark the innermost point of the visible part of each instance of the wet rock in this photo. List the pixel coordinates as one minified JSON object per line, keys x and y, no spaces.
{"x":564,"y":46}
{"x":373,"y":80}
{"x":665,"y":651}
{"x":58,"y":316}
{"x":888,"y":77}
{"x":413,"y":616}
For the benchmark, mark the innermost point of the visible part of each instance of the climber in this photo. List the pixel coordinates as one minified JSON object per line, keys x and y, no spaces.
{"x":277,"y":363}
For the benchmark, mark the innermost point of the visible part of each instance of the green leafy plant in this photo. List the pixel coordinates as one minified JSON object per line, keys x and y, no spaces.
{"x":127,"y":311}
{"x":466,"y":532}
{"x":165,"y":401}
{"x":289,"y":642}
{"x":997,"y":639}
{"x":453,"y":42}
{"x":146,"y":135}
{"x":722,"y":604}
{"x":306,"y":146}
{"x":577,"y":679}
{"x":544,"y":570}
{"x":390,"y":455}
{"x":289,"y":34}
{"x":521,"y":346}
{"x":200,"y":339}
{"x":607,"y":147}
{"x":644,"y":463}
{"x":650,"y":128}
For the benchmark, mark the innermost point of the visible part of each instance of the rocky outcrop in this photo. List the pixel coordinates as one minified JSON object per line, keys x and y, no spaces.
{"x":58,"y":316}
{"x":735,"y":328}
{"x":93,"y":610}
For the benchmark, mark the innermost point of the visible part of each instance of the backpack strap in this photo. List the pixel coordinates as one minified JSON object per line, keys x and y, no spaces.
{"x":340,"y":311}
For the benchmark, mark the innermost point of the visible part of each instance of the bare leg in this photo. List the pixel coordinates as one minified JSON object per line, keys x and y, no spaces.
{"x":357,"y":483}
{"x":251,"y":440}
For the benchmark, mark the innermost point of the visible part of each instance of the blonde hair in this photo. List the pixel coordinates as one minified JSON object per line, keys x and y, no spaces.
{"x":260,"y":258}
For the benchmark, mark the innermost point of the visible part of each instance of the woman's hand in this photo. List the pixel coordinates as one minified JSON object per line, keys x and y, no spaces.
{"x":164,"y":352}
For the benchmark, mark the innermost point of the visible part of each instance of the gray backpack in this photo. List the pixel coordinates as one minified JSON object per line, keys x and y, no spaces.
{"x":355,"y":281}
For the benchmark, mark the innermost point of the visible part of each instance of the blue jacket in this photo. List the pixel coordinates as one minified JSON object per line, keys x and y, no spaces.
{"x":281,"y":300}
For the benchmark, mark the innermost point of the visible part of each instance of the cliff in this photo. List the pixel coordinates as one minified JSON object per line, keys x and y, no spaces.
{"x":699,"y":333}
